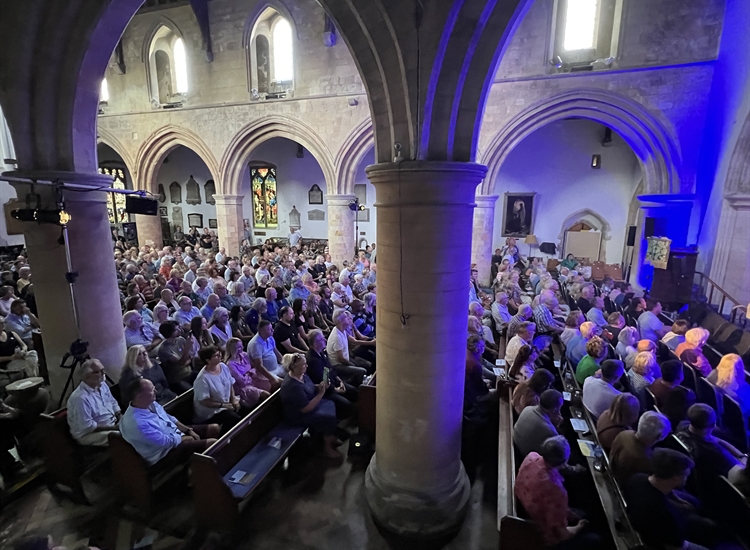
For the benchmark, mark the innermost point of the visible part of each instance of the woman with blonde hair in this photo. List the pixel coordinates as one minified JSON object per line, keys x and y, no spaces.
{"x":729,"y":376}
{"x":139,"y":365}
{"x":305,"y":403}
{"x":626,"y":341}
{"x":642,"y":373}
{"x":251,"y":386}
{"x":691,"y":350}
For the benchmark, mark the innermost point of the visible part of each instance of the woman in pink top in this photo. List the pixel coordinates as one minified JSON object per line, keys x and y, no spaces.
{"x":251,"y":386}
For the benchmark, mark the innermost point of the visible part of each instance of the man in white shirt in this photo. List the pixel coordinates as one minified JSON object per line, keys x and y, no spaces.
{"x":262,"y":271}
{"x":7,"y":297}
{"x":155,"y":434}
{"x":294,"y":237}
{"x":598,"y":393}
{"x":346,"y":286}
{"x":524,"y":337}
{"x":500,"y":313}
{"x":264,"y":356}
{"x":338,"y":349}
{"x":192,"y":273}
{"x":220,"y":255}
{"x":247,"y":278}
{"x":92,"y":411}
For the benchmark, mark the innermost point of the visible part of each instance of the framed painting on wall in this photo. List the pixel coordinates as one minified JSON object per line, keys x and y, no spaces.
{"x":518,"y":214}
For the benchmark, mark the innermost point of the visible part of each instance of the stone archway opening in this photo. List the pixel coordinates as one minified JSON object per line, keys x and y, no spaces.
{"x":585,"y":220}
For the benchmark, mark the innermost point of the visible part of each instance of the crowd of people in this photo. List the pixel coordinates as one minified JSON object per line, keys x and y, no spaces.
{"x":235,"y":329}
{"x":630,"y":366}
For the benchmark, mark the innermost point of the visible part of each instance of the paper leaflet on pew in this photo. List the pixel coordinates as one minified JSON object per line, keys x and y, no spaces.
{"x":243,"y":478}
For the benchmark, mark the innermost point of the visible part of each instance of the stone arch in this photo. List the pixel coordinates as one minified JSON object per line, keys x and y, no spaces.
{"x":592,"y":218}
{"x":357,"y":144}
{"x":649,"y":138}
{"x":158,"y":145}
{"x":158,"y":24}
{"x":108,"y":138}
{"x":234,"y":160}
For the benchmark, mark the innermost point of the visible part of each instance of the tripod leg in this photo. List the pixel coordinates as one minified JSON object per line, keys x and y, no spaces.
{"x":69,"y":382}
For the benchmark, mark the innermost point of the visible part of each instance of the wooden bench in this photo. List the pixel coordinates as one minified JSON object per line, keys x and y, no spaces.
{"x":136,"y":481}
{"x":366,"y":408}
{"x":245,"y":447}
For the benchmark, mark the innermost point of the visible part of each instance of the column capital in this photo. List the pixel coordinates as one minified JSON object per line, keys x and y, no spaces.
{"x":227,"y":200}
{"x":486,"y":201}
{"x":738,"y":201}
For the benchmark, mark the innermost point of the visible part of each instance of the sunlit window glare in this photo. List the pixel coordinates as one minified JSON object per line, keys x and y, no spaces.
{"x":283,"y":56}
{"x":104,"y":91}
{"x":580,"y":24}
{"x":180,"y":66}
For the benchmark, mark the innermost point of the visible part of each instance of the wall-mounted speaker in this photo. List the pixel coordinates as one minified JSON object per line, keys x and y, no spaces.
{"x":649,"y":227}
{"x":139,"y":205}
{"x":631,"y":235}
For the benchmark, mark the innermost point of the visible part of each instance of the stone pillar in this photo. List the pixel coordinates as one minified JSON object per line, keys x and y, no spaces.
{"x":149,"y":230}
{"x":482,"y":236}
{"x":731,"y":261}
{"x":416,"y":484}
{"x":341,"y":238}
{"x":229,"y":221}
{"x":97,"y":297}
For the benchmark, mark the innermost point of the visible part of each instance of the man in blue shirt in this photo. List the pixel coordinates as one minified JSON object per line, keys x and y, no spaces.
{"x":649,"y":324}
{"x":155,"y":434}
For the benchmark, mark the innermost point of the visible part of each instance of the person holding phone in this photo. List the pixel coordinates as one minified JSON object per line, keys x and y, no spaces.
{"x":214,"y":400}
{"x":342,"y":394}
{"x":305,"y":403}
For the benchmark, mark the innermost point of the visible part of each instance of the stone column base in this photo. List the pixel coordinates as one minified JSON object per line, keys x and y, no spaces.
{"x":417,"y":515}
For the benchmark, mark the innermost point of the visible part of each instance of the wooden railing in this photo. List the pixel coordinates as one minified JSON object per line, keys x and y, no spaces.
{"x":718,"y":297}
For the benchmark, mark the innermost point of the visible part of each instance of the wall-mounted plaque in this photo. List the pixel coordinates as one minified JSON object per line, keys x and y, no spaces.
{"x":195,"y":220}
{"x":212,"y":224}
{"x":210,"y":189}
{"x":162,"y":195}
{"x":315,"y":195}
{"x":175,"y":192}
{"x":193,"y":192}
{"x":363,"y":215}
{"x":316,"y":215}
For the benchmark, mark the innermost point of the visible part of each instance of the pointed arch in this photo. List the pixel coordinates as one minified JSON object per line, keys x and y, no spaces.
{"x":350,"y":156}
{"x":591,"y":218}
{"x":159,"y":144}
{"x":258,"y":10}
{"x":156,"y":25}
{"x":234,"y":160}
{"x":653,"y":144}
{"x":108,"y":138}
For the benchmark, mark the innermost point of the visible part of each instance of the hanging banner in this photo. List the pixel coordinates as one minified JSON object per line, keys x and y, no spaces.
{"x":657,"y":253}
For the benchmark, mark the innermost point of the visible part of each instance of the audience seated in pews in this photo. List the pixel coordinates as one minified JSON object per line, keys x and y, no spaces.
{"x":621,"y":415}
{"x":175,"y":357}
{"x":626,"y":342}
{"x":643,"y":373}
{"x":250,"y":385}
{"x":649,"y":323}
{"x":636,"y":307}
{"x":573,"y":322}
{"x":536,"y":424}
{"x":596,"y":313}
{"x":527,"y":393}
{"x":664,"y":518}
{"x":524,"y":314}
{"x":576,"y":348}
{"x":263,"y":351}
{"x":342,"y":394}
{"x":524,"y":337}
{"x":500,"y":314}
{"x":139,"y":333}
{"x":22,"y":322}
{"x":729,"y":377}
{"x":157,"y":435}
{"x":341,"y":354}
{"x":239,"y":326}
{"x":599,"y":391}
{"x":615,"y":324}
{"x":220,"y":328}
{"x":214,"y":399}
{"x":545,"y":322}
{"x":541,"y":491}
{"x":187,"y":311}
{"x":92,"y":411}
{"x":305,"y":403}
{"x":138,"y":365}
{"x":672,"y":399}
{"x":15,"y":355}
{"x":596,"y":351}
{"x":631,"y":451}
{"x":676,"y":335}
{"x":524,"y":365}
{"x":584,"y":302}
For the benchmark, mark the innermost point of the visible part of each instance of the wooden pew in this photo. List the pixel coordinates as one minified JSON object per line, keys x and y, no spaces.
{"x":515,"y":533}
{"x":610,"y":494}
{"x":366,"y":408}
{"x":135,"y":480}
{"x":245,"y":447}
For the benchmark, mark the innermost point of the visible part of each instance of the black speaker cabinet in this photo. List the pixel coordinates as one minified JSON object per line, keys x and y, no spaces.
{"x":649,"y":227}
{"x":674,"y":285}
{"x":140,"y":205}
{"x":631,"y":235}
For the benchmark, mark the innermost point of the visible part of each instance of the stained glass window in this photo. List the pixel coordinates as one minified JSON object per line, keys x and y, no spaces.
{"x":265,"y":205}
{"x":115,"y":201}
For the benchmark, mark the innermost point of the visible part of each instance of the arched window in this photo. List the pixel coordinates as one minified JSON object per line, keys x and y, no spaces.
{"x":283,"y":56}
{"x":270,"y":55}
{"x":584,"y":31}
{"x":104,"y":92}
{"x":263,"y":189}
{"x":115,"y":201}
{"x":167,"y":72}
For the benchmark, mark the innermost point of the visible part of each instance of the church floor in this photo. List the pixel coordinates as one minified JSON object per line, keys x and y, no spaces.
{"x":313,"y":505}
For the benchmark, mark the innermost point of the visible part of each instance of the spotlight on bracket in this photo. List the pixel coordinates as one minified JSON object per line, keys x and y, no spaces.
{"x":354,"y":205}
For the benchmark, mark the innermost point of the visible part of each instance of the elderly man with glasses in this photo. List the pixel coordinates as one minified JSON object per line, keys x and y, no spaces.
{"x":92,"y":411}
